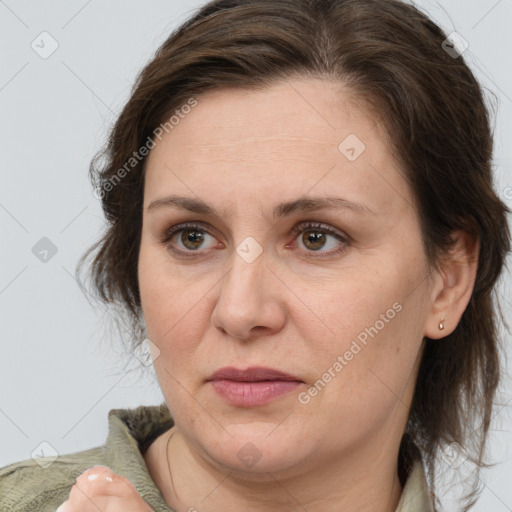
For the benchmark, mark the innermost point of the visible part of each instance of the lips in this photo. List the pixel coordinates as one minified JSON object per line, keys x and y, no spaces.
{"x":252,"y":374}
{"x":253,"y":387}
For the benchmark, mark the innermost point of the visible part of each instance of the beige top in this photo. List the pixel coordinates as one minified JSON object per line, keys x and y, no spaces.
{"x":42,"y":484}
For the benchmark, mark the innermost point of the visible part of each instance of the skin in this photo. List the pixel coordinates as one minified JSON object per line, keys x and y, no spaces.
{"x":99,"y":488}
{"x":245,"y":152}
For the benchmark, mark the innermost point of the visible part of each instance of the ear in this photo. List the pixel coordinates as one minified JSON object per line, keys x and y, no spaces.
{"x":453,"y":285}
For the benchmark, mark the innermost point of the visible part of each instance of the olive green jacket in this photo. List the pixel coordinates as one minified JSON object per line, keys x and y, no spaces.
{"x":44,"y":483}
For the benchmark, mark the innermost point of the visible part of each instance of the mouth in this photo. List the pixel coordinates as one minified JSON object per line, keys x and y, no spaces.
{"x":252,"y":387}
{"x":252,"y":374}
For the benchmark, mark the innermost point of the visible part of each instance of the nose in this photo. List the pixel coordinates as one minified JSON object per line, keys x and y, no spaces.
{"x":250,"y":301}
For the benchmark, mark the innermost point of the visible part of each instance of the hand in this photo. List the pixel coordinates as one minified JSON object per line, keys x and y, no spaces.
{"x":100,"y":489}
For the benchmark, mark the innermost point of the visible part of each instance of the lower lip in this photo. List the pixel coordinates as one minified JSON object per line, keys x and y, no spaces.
{"x":249,"y":394}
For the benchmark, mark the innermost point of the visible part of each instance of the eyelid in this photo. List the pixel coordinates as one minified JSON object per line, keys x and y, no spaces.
{"x":311,"y":225}
{"x":296,"y":230}
{"x":175,"y":228}
{"x":327,"y":229}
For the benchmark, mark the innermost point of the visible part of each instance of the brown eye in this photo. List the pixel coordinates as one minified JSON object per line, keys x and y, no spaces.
{"x":315,"y":237}
{"x":191,"y":238}
{"x":187,"y":239}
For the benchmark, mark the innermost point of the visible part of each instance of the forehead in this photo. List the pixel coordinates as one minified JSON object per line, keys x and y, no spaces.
{"x":288,"y":139}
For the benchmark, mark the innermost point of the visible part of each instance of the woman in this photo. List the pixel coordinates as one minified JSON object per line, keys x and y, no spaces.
{"x":302,"y":224}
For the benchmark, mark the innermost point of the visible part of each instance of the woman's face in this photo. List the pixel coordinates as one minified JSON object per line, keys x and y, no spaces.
{"x":342,"y":306}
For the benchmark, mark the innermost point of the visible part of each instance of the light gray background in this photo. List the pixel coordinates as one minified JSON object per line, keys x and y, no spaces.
{"x":58,"y":377}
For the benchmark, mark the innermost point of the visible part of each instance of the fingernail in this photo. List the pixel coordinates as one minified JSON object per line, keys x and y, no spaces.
{"x":93,"y":476}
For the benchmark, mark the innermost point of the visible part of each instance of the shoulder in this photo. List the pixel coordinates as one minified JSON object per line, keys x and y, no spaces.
{"x":44,"y":483}
{"x":30,"y":486}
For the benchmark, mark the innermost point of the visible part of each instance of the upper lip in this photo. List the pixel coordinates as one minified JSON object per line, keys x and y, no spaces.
{"x":251,"y":374}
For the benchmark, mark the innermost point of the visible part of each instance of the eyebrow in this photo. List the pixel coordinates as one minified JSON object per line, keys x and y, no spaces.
{"x":304,"y":204}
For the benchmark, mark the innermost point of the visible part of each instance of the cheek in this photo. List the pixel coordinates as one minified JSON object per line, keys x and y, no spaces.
{"x":173,"y":305}
{"x":371,"y":340}
{"x":347,"y":307}
{"x":363,"y":378}
{"x":174,"y":318}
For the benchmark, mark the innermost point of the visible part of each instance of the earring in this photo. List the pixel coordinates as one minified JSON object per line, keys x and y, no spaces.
{"x":441,"y":325}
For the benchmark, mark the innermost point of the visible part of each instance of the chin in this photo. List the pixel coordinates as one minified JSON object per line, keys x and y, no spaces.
{"x":250,"y":450}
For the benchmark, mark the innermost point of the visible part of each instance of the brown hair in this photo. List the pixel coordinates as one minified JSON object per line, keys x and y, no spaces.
{"x":391,"y":55}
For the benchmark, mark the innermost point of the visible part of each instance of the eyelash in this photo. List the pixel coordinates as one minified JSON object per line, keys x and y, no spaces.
{"x":297,"y":230}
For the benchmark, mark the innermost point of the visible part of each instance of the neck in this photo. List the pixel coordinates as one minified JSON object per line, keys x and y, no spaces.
{"x":357,"y":482}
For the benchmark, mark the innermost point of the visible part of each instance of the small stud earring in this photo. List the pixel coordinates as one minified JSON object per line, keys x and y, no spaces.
{"x":441,"y":325}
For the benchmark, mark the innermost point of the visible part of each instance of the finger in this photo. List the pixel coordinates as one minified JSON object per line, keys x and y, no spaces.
{"x":101,"y":481}
{"x":107,"y":504}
